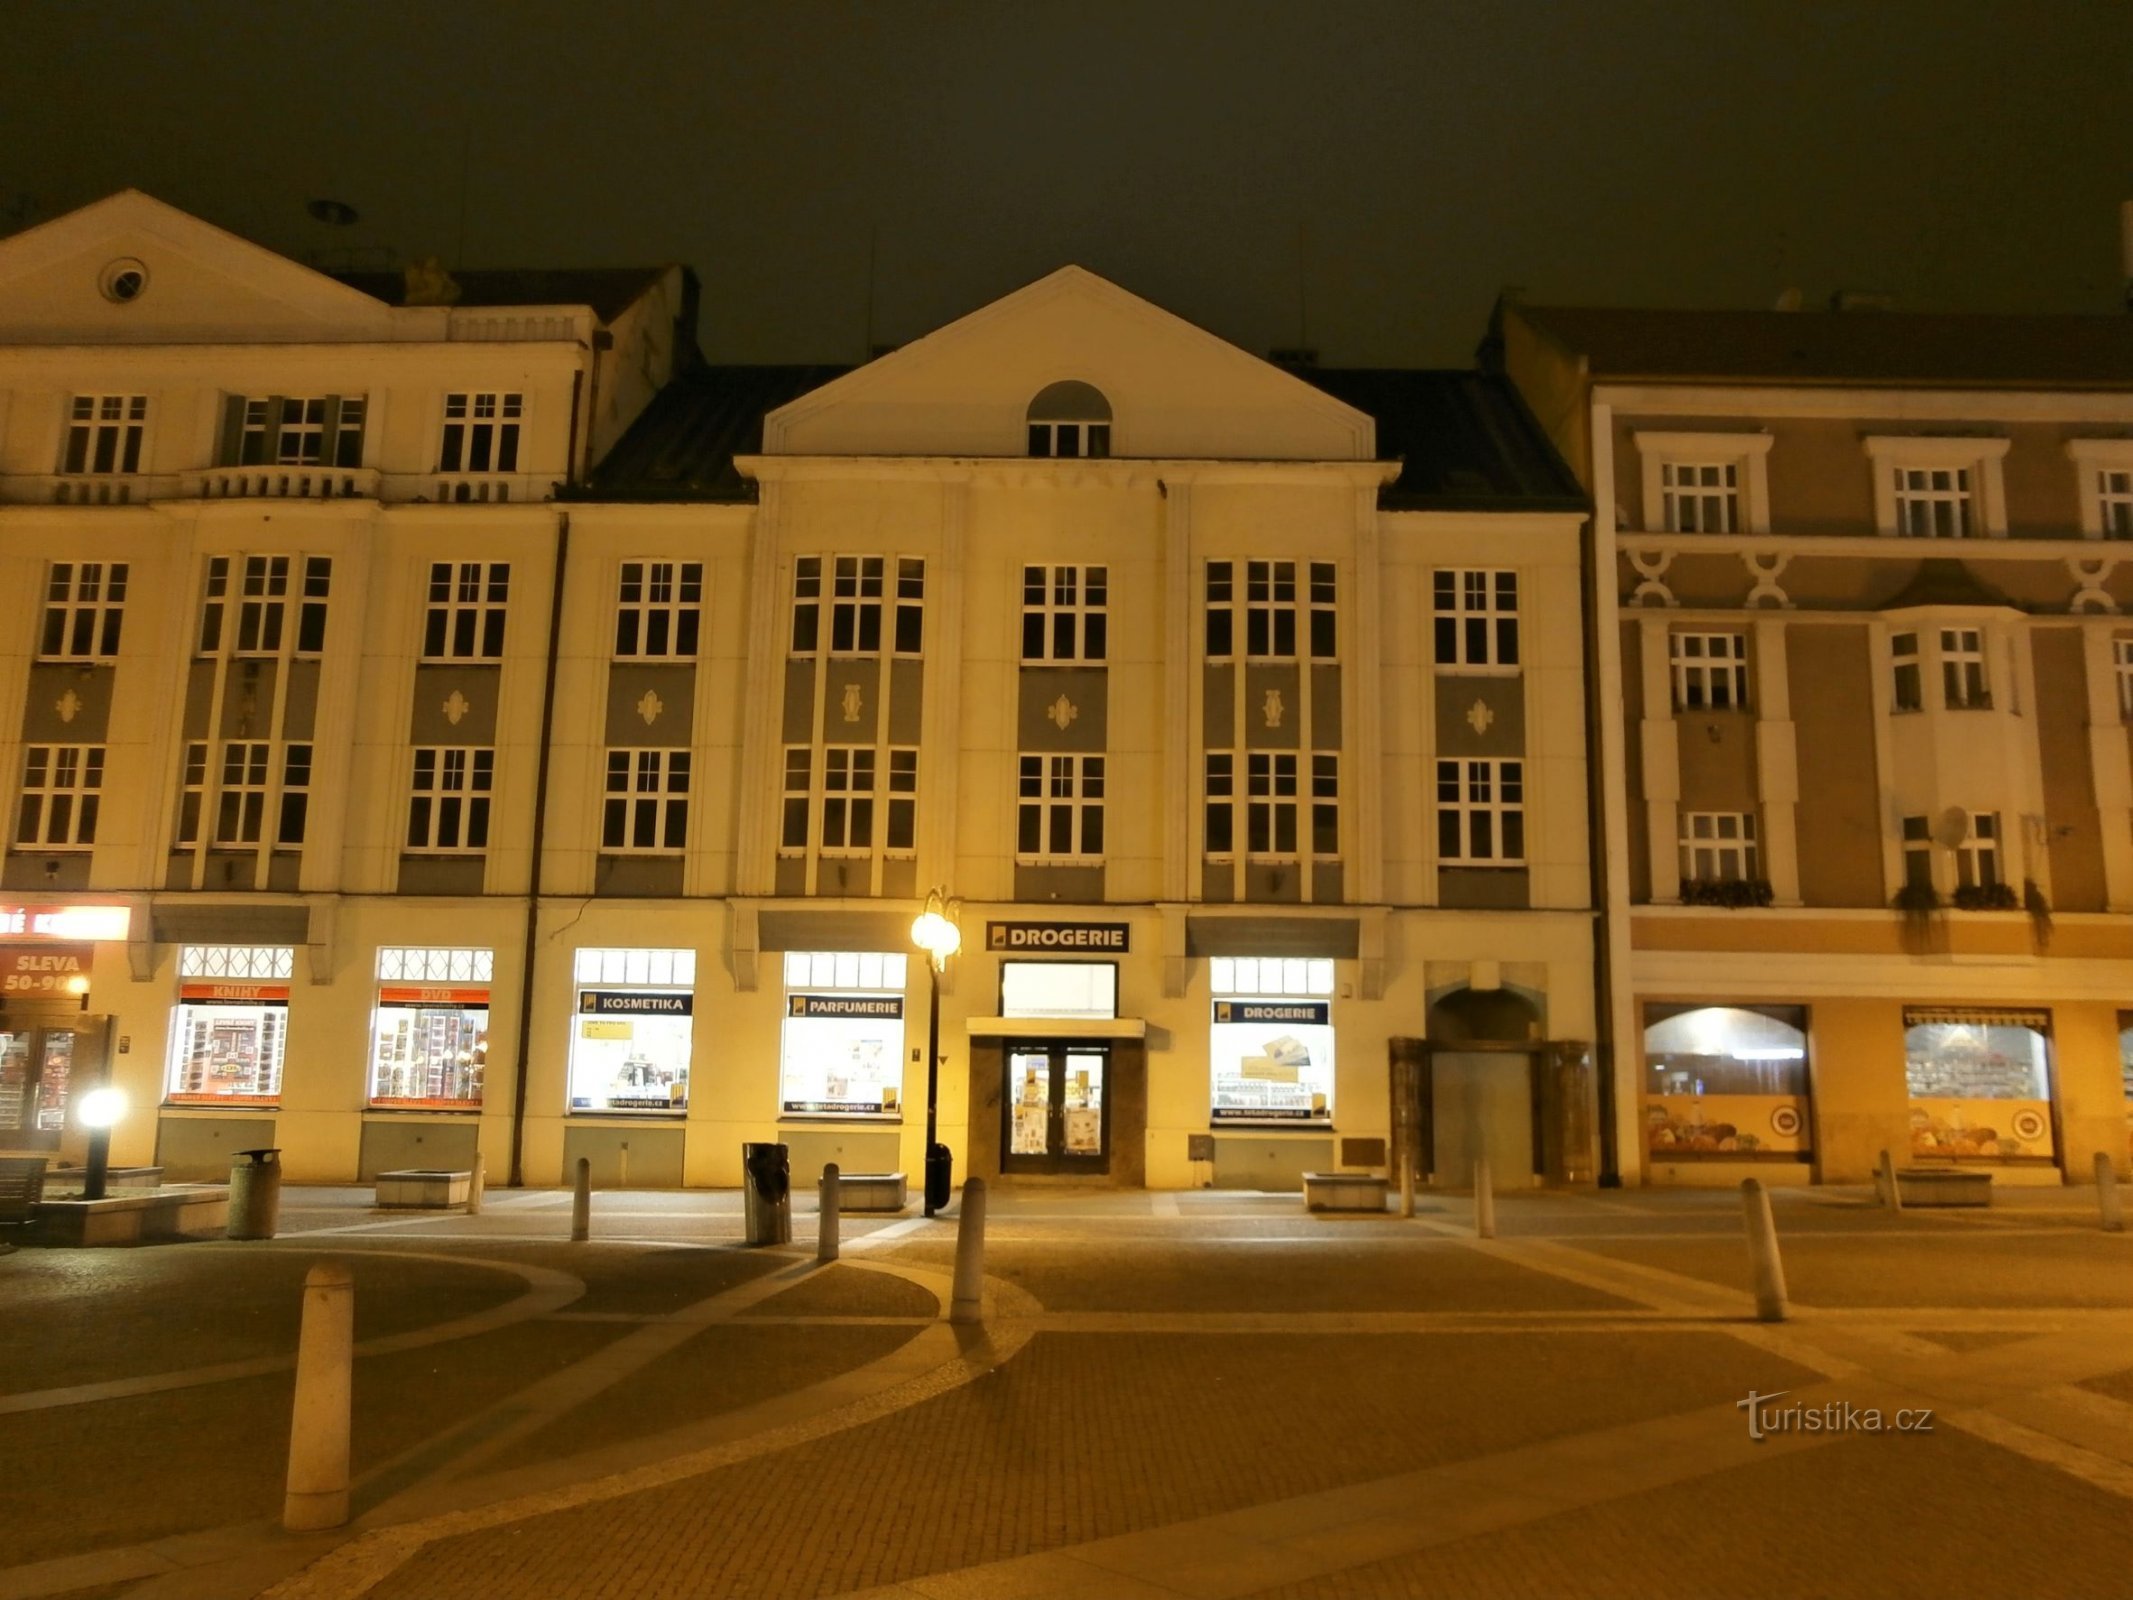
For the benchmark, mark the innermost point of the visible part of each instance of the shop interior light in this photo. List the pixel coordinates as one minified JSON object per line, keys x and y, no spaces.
{"x":102,"y":1107}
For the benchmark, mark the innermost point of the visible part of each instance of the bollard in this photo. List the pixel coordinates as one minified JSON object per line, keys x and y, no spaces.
{"x":1885,"y":1180}
{"x":831,"y":1202}
{"x":581,"y":1203}
{"x":968,"y":1305}
{"x":1484,"y":1203}
{"x":1407,"y":1188}
{"x":475,"y":1183}
{"x":317,"y":1491}
{"x":2107,"y":1208}
{"x":1763,"y":1252}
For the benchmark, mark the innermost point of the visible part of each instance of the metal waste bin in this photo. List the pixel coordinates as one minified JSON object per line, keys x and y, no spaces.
{"x":255,"y":1194}
{"x":766,"y":1193}
{"x":940,"y":1177}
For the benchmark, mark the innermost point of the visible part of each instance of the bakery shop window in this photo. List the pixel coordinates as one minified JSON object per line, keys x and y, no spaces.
{"x":631,"y":1032}
{"x":1726,"y":1082}
{"x":1270,"y":1039}
{"x":1980,"y":1083}
{"x":843,"y":1047}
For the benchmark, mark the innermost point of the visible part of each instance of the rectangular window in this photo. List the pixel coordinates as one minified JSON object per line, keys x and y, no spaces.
{"x":464,"y":619}
{"x":1270,"y":1043}
{"x":848,"y":798}
{"x":1325,"y":803}
{"x":1726,"y":1082}
{"x":1980,"y":1083}
{"x":231,"y":1030}
{"x":1907,"y":686}
{"x":1476,"y":618}
{"x":1962,"y":668}
{"x":480,"y":432}
{"x":806,"y":605}
{"x":1221,"y":819}
{"x":1700,"y":497}
{"x":84,"y":609}
{"x":1270,"y":804}
{"x":61,"y":787}
{"x":104,"y":433}
{"x":1065,"y":614}
{"x":1977,"y":858}
{"x":1285,"y":614}
{"x":295,"y":431}
{"x":1481,"y":813}
{"x":262,"y":605}
{"x":1058,"y":989}
{"x":910,"y":606}
{"x":295,"y":794}
{"x":1221,"y":620}
{"x":799,"y":795}
{"x":348,"y":435}
{"x":241,"y":797}
{"x":1710,"y":671}
{"x":2114,"y":502}
{"x":659,"y":609}
{"x":1933,"y":502}
{"x":1325,"y":611}
{"x":855,"y":605}
{"x":903,"y":801}
{"x":302,"y":441}
{"x":633,"y":1027}
{"x":448,"y":807}
{"x":843,"y":1035}
{"x":1070,"y":439}
{"x":1270,"y":610}
{"x":647,"y":805}
{"x":2122,"y":665}
{"x":857,"y":598}
{"x":1917,"y":853}
{"x":430,"y":1039}
{"x":1717,"y":847}
{"x":1060,"y":815}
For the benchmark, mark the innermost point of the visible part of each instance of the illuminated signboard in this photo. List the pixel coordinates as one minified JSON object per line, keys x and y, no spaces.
{"x":83,"y":924}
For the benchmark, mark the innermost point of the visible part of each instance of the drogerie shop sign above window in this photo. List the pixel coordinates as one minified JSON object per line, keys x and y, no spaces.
{"x":1077,"y":936}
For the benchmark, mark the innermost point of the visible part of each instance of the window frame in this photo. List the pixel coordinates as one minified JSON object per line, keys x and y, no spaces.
{"x":66,"y":612}
{"x":1073,"y":601}
{"x":2106,"y":509}
{"x":501,"y":431}
{"x":1069,"y":789}
{"x":1716,"y":837}
{"x":1746,"y":453}
{"x":1467,"y":606}
{"x":1502,"y":773}
{"x":63,"y":778}
{"x":473,"y":601}
{"x":1688,"y":669}
{"x":663,"y":803}
{"x":1982,"y":457}
{"x":95,"y":420}
{"x":467,"y":802}
{"x":676,"y":618}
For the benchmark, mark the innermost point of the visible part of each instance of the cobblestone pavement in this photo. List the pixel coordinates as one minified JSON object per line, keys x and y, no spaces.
{"x":1208,"y":1395}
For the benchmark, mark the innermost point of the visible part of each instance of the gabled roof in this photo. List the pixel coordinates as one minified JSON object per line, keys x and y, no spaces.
{"x":1882,"y":348}
{"x":1464,"y":440}
{"x":682,"y":445}
{"x":610,"y":291}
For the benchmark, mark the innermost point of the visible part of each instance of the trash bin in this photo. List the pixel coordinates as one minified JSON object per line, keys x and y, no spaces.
{"x":255,"y":1194}
{"x":766,"y":1193}
{"x":940,"y":1177}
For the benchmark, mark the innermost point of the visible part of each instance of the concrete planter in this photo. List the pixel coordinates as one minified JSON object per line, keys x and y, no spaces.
{"x":423,"y":1191}
{"x":1343,"y":1191}
{"x":879,"y":1193}
{"x":1943,"y":1186}
{"x":157,"y":1216}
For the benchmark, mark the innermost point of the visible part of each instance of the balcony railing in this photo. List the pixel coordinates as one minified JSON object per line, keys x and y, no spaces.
{"x":281,"y":483}
{"x":98,"y":489}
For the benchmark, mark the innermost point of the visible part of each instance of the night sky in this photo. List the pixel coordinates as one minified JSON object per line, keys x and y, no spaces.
{"x":1414,"y":158}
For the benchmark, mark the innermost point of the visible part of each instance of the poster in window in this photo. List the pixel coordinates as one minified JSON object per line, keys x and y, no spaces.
{"x":227,"y":1044}
{"x":842,"y":1055}
{"x":630,"y":1051}
{"x":1272,"y":1060}
{"x":430,"y":1047}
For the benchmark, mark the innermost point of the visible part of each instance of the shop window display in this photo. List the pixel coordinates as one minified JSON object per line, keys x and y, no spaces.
{"x":1980,"y":1084}
{"x":632,"y":1031}
{"x":1726,"y":1081}
{"x":843,"y":1039}
{"x":1270,"y":1042}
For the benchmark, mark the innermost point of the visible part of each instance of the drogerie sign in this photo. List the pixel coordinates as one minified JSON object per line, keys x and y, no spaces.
{"x":1107,"y":937}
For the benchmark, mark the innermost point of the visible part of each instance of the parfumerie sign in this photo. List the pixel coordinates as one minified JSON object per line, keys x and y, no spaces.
{"x":1024,"y":936}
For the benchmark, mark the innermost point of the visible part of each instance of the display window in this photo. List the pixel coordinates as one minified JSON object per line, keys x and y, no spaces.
{"x":632,"y":1031}
{"x":1726,"y":1081}
{"x":1980,"y":1083}
{"x":1058,"y":989}
{"x":843,"y":1046}
{"x":1270,"y":1044}
{"x":2125,"y":1069}
{"x":231,"y":1029}
{"x":430,"y":1029}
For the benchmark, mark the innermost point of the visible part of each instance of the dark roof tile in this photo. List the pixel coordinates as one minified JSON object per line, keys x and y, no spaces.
{"x":608,"y":290}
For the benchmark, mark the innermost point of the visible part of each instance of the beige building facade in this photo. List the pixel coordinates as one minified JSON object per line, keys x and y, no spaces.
{"x":454,"y":719}
{"x":1863,"y":639}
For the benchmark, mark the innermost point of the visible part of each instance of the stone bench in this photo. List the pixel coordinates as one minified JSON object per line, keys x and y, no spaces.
{"x":1943,"y":1186}
{"x":882,"y":1193}
{"x":1344,"y":1191}
{"x":145,"y":1216}
{"x":415,"y":1189}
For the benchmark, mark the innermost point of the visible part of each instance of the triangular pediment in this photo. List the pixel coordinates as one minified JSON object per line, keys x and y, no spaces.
{"x":1175,"y":390}
{"x":197,"y":284}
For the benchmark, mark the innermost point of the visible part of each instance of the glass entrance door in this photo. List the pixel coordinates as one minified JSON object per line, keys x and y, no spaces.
{"x":37,"y":1067}
{"x":1058,"y":1118}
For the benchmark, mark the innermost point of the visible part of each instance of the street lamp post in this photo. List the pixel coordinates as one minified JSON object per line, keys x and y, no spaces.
{"x":99,"y":1111}
{"x":935,"y":933}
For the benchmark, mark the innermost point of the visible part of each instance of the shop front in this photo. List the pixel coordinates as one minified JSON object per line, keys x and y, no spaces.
{"x":50,"y":1048}
{"x":429,"y":1058}
{"x":1727,"y":1083}
{"x":632,"y":1044}
{"x":1980,"y":1085}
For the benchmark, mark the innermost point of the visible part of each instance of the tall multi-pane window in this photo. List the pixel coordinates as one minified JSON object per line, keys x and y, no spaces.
{"x":1290,"y":609}
{"x":1325,"y":803}
{"x":1962,"y":668}
{"x":848,"y":797}
{"x":464,"y":617}
{"x":1977,"y":858}
{"x":2114,"y":502}
{"x":659,"y":608}
{"x":84,"y":610}
{"x":2122,"y":666}
{"x":295,"y":431}
{"x":1710,"y":671}
{"x":1481,"y":813}
{"x":1907,"y":685}
{"x":1060,"y":810}
{"x":646,"y":807}
{"x":261,"y":602}
{"x":1270,"y":803}
{"x":864,"y":803}
{"x":1065,"y":613}
{"x":1476,"y":618}
{"x":855,"y":605}
{"x":481,"y":429}
{"x":61,"y":786}
{"x":860,"y":603}
{"x":1220,"y":824}
{"x":1933,"y":502}
{"x":1700,"y":497}
{"x":250,"y":773}
{"x":104,"y":433}
{"x":448,"y":803}
{"x":903,"y":801}
{"x":798,"y":796}
{"x":1717,"y":846}
{"x":1917,"y":853}
{"x":910,"y":634}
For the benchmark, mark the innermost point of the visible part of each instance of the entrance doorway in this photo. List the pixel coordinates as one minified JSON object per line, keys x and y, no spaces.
{"x":1484,"y":1109}
{"x":1056,"y":1113}
{"x":41,"y":1064}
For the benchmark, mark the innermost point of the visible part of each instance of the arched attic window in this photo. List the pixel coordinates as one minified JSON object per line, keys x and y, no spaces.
{"x":1070,"y":418}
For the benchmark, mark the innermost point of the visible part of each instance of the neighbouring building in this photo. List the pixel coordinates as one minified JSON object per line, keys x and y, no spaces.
{"x":453,"y":717}
{"x":1864,"y":617}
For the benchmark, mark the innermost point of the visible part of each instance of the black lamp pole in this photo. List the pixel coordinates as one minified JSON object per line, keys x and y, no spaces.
{"x":933,"y":1070}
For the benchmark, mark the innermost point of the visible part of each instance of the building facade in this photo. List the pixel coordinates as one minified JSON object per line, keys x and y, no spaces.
{"x":1862,"y":617}
{"x":455,"y":719}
